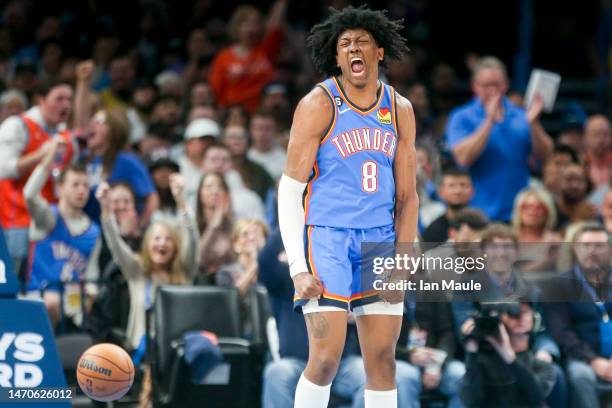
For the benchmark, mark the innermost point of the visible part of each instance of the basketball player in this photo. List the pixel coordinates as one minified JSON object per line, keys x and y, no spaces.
{"x":65,"y":242}
{"x":352,"y":149}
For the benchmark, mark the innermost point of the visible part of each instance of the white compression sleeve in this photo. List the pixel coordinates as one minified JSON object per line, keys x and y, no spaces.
{"x":291,"y":222}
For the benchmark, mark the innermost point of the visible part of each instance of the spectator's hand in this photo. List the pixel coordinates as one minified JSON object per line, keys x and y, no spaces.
{"x":431,"y":380}
{"x":471,"y":346}
{"x":50,"y":148}
{"x":544,"y":355}
{"x":502,"y":345}
{"x":307,"y":286}
{"x":533,"y":113}
{"x":103,"y":196}
{"x":493,"y":108}
{"x":467,"y":327}
{"x":84,"y":71}
{"x":602,"y":368}
{"x":177,"y":187}
{"x":421,"y":356}
{"x":221,"y":212}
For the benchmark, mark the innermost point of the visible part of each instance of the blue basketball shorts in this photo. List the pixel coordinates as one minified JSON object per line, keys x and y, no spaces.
{"x":334,"y":255}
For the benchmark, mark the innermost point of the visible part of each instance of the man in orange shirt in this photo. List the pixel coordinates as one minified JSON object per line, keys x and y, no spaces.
{"x":24,"y":141}
{"x":240,"y":71}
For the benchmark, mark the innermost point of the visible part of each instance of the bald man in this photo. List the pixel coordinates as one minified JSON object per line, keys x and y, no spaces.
{"x":598,"y":149}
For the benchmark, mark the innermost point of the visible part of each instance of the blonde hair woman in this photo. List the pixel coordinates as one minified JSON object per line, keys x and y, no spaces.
{"x":534,"y":216}
{"x":533,"y":220}
{"x":167,"y":257}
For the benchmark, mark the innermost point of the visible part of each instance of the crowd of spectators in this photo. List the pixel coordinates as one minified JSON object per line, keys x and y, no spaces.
{"x":154,"y":161}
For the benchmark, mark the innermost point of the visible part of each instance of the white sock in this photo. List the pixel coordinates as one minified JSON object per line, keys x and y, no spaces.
{"x":311,"y":395}
{"x":380,"y":399}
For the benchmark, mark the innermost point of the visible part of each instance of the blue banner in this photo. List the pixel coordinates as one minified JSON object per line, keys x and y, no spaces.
{"x":8,"y":280}
{"x":28,"y":355}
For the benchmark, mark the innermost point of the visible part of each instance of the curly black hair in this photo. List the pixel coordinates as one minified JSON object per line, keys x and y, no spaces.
{"x":323,"y":37}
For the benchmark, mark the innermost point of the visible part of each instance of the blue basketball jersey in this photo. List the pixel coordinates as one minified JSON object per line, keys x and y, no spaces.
{"x":352,"y":183}
{"x":61,"y":255}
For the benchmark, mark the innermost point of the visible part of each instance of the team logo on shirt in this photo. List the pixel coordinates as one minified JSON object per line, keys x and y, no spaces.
{"x":384,"y":116}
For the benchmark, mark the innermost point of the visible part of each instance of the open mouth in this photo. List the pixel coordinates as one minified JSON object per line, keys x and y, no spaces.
{"x":357,"y":65}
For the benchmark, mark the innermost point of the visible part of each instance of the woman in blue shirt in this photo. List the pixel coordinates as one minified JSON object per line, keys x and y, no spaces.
{"x":108,"y":160}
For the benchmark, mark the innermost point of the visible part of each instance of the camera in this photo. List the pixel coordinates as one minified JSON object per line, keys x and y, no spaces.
{"x":487,"y":319}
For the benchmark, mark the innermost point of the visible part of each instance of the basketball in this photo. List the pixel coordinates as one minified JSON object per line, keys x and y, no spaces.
{"x":105,"y":372}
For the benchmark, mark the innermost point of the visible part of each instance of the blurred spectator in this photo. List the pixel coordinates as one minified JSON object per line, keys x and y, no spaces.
{"x":24,"y":141}
{"x":275,"y":100}
{"x":123,"y":205}
{"x":281,"y":375}
{"x":561,"y":156}
{"x":572,"y":204}
{"x":598,"y":149}
{"x":200,"y":51}
{"x":494,"y":139}
{"x":577,"y":315}
{"x":426,"y":172}
{"x":254,"y":176}
{"x":122,"y":77}
{"x":464,"y":231}
{"x":167,"y":257}
{"x":50,"y":60}
{"x":143,"y":99}
{"x":109,"y":161}
{"x":65,"y":241}
{"x":201,"y":95}
{"x":240,"y":71}
{"x":166,"y":111}
{"x":572,"y":133}
{"x":202,"y":112}
{"x":236,"y":115}
{"x":417,"y":95}
{"x":534,"y":216}
{"x":162,"y":167}
{"x":402,"y":72}
{"x":200,"y":133}
{"x":606,"y":211}
{"x":248,"y":238}
{"x":245,"y":203}
{"x":215,"y":223}
{"x":503,"y":370}
{"x":24,"y":78}
{"x":443,"y":88}
{"x":456,"y":190}
{"x":264,"y":149}
{"x":534,"y":219}
{"x":169,"y":83}
{"x":12,"y":102}
{"x":432,"y":346}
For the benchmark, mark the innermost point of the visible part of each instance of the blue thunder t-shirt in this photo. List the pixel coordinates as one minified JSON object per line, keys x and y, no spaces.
{"x":127,"y":168}
{"x":352,"y":183}
{"x":502,"y":170}
{"x":61,"y":255}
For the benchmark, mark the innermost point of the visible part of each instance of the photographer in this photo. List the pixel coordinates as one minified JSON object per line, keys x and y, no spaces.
{"x":501,"y":367}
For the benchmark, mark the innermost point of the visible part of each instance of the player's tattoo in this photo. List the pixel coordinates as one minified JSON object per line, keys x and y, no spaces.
{"x":318,"y":325}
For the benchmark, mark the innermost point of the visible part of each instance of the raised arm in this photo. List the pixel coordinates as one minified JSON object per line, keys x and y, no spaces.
{"x":127,"y":260}
{"x":404,"y":168}
{"x":187,"y":224}
{"x":468,"y":150}
{"x":84,"y":99}
{"x":540,"y":140}
{"x":39,"y":208}
{"x":311,"y":120}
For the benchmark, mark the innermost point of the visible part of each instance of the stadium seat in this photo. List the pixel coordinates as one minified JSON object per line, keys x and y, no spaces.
{"x":70,"y":347}
{"x":179,"y":309}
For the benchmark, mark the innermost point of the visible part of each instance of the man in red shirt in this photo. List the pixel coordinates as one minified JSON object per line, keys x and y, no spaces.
{"x":240,"y":71}
{"x":24,"y":141}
